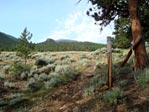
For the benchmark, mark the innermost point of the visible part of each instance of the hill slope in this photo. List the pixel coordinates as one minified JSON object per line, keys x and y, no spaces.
{"x":7,"y":42}
{"x":67,"y":45}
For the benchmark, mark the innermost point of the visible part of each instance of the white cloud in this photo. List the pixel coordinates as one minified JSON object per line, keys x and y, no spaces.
{"x":79,"y":26}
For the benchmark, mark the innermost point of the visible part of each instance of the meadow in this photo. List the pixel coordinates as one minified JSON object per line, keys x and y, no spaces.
{"x":71,"y":81}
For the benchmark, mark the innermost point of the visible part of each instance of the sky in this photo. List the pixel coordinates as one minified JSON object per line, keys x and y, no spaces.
{"x":55,"y":19}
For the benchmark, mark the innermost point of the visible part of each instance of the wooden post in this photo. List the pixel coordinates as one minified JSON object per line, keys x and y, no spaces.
{"x":109,"y":55}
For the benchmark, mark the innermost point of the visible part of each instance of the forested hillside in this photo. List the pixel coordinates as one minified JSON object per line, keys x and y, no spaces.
{"x":68,"y":46}
{"x":7,"y":42}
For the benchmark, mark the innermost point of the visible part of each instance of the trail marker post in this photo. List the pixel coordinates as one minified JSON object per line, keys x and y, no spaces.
{"x":109,"y":59}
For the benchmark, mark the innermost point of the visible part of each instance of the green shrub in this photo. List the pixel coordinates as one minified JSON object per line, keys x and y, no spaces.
{"x":97,"y":68}
{"x":96,"y":52}
{"x":43,"y":77}
{"x":31,"y":80}
{"x":103,"y":49}
{"x":83,"y":56}
{"x":120,"y":72}
{"x":63,"y":57}
{"x":123,"y":83}
{"x":142,"y":77}
{"x":85,"y":62}
{"x":51,"y":67}
{"x":17,"y":68}
{"x":51,"y":60}
{"x":54,"y":81}
{"x":35,"y":86}
{"x":95,"y":82}
{"x":6,"y":69}
{"x":113,"y":96}
{"x":2,"y":79}
{"x":14,"y":95}
{"x":66,"y":71}
{"x":62,"y":69}
{"x":1,"y":84}
{"x":33,"y":68}
{"x":16,"y":101}
{"x":3,"y":103}
{"x":72,"y":60}
{"x":52,"y":74}
{"x":30,"y":74}
{"x":2,"y":111}
{"x":36,"y":76}
{"x":8,"y":84}
{"x":89,"y":91}
{"x":116,"y":50}
{"x":24,"y":75}
{"x":66,"y":61}
{"x":62,"y":75}
{"x":46,"y":69}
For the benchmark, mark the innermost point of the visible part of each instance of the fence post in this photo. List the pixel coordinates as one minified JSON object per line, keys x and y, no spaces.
{"x":109,"y":56}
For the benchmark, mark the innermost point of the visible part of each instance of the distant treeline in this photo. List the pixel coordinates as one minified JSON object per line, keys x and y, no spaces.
{"x":67,"y":46}
{"x":62,"y":46}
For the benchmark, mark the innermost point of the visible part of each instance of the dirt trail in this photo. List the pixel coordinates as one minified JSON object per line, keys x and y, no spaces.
{"x":66,"y":98}
{"x":137,"y":98}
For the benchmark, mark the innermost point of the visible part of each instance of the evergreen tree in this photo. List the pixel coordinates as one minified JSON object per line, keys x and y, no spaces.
{"x":122,"y":28}
{"x":122,"y":33}
{"x":24,"y":48}
{"x":104,"y":11}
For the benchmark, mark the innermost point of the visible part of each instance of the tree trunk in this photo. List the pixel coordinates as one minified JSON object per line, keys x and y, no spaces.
{"x":141,"y":58}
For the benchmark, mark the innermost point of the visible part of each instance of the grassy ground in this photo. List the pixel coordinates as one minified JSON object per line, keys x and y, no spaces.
{"x":83,"y":93}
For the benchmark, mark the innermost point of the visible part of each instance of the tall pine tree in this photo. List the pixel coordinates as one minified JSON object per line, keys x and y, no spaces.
{"x":104,"y":11}
{"x":24,"y":48}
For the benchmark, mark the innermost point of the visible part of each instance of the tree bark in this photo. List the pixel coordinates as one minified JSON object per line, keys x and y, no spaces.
{"x":141,"y":58}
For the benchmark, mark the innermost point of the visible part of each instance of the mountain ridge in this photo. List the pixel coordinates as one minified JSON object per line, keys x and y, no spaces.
{"x":8,"y":43}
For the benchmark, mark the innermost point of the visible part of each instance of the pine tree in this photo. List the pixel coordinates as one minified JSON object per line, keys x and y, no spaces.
{"x":104,"y":11}
{"x":24,"y":48}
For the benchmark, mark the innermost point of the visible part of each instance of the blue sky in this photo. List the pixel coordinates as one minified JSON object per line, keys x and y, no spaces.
{"x":56,"y":19}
